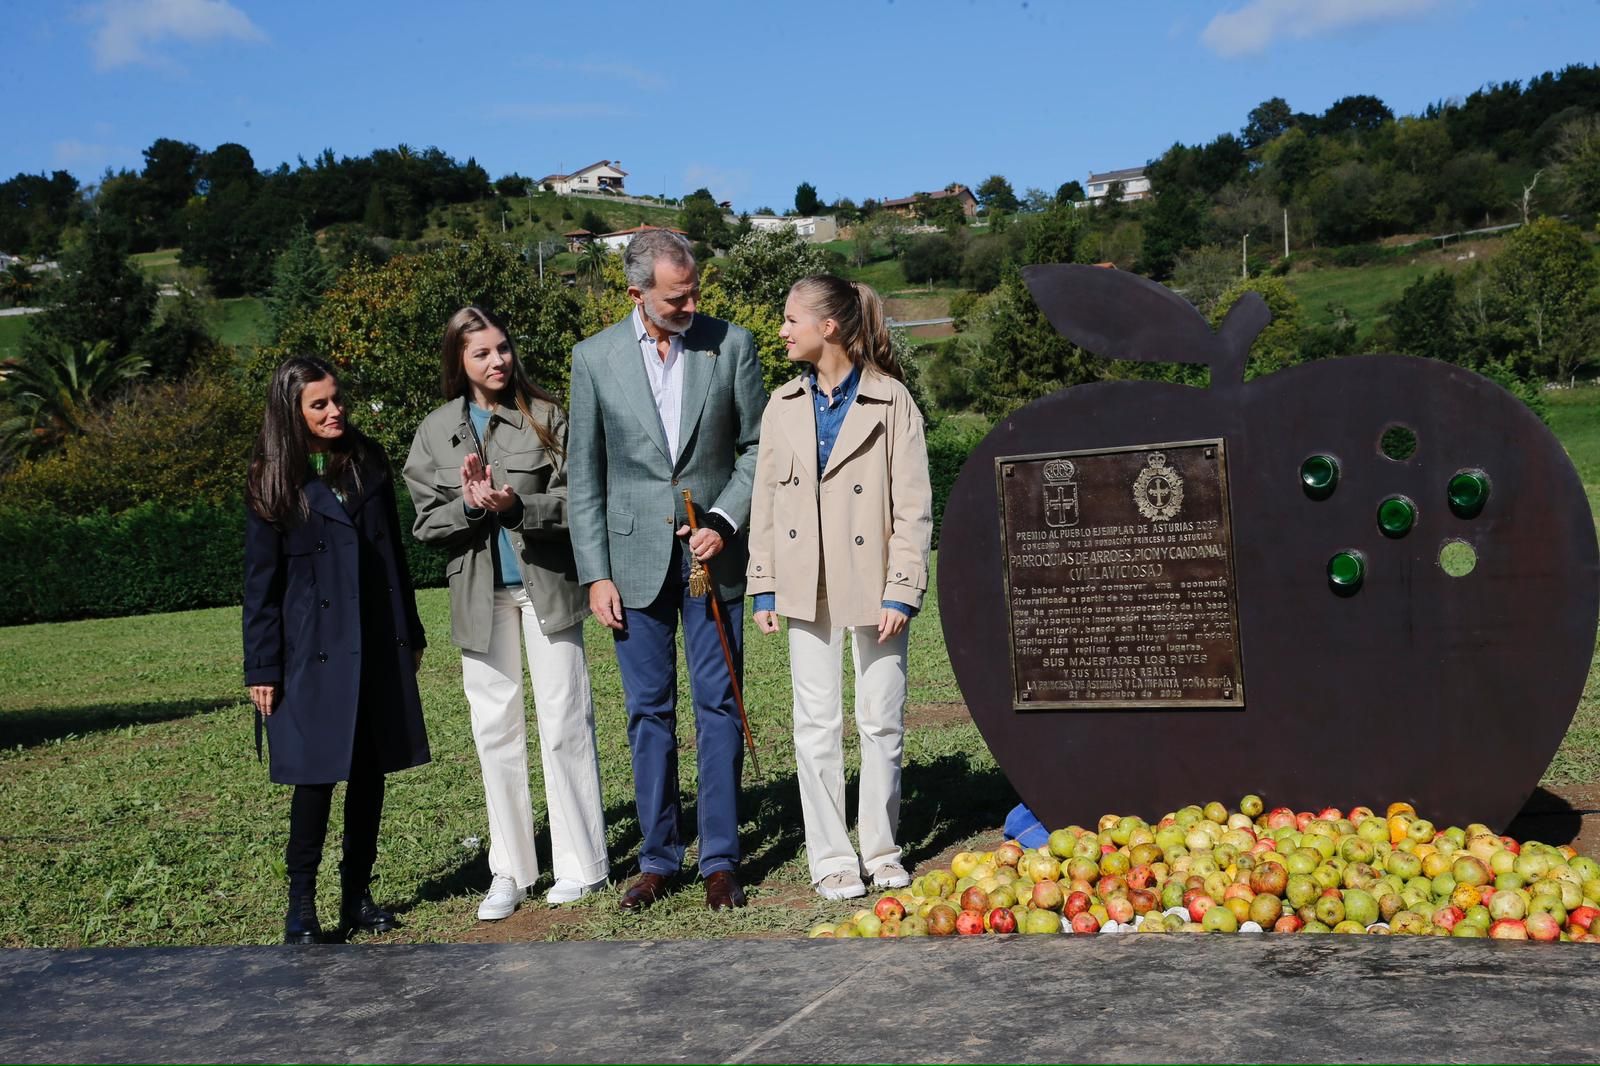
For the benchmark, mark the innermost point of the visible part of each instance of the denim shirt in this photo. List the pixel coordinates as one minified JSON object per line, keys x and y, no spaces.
{"x":831,"y":410}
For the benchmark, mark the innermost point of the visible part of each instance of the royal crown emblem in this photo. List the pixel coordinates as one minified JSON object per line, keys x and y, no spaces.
{"x":1158,"y":490}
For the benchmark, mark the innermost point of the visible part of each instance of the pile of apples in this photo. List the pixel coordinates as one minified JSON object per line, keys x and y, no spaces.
{"x":1212,"y":870}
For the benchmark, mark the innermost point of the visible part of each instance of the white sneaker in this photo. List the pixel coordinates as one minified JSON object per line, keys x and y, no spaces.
{"x":569,"y":891}
{"x":846,"y":884}
{"x":501,"y":899}
{"x":890,"y":875}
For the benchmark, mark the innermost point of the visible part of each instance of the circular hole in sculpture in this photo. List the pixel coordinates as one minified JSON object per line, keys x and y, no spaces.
{"x":1457,"y":558}
{"x":1398,"y":443}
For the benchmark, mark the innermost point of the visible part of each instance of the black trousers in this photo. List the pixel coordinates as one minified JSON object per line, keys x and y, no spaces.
{"x":363,"y":809}
{"x":308,"y":830}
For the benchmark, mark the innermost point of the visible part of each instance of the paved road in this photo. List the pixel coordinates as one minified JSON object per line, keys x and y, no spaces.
{"x":1127,"y":998}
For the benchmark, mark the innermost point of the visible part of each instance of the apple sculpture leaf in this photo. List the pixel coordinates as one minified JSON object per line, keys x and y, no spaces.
{"x":1383,"y":567}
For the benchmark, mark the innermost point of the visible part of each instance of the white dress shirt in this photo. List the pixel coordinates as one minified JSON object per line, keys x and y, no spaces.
{"x":666,"y":386}
{"x":666,"y":379}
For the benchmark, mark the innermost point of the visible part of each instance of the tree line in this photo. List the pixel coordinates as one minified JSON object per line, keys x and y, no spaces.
{"x":227,"y":216}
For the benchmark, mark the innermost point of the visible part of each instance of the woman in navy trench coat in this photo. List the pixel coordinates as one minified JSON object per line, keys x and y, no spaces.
{"x":332,"y":641}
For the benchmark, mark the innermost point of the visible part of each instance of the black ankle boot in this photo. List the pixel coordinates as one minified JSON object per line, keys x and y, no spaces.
{"x":359,"y":914}
{"x":300,"y":925}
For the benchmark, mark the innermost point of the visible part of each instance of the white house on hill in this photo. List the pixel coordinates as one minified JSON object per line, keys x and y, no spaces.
{"x":813,"y":230}
{"x":618,"y":241}
{"x":1135,"y":185}
{"x":604,"y":176}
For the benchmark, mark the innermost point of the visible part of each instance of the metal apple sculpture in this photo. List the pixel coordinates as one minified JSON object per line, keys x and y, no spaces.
{"x":1369,"y":672}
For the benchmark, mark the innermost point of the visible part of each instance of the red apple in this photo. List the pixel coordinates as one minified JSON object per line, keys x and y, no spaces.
{"x":1583,"y":917}
{"x":1330,"y":814}
{"x":889,"y":907}
{"x":1289,"y":923}
{"x":1143,"y":900}
{"x":1141,"y":877}
{"x":1110,"y":885}
{"x":1047,"y":896}
{"x":1085,"y":923}
{"x":1508,"y":929}
{"x":1120,"y":909}
{"x":1542,"y":926}
{"x":1303,"y":819}
{"x":1001,"y":920}
{"x":1076,"y":904}
{"x":1447,"y":917}
{"x":1199,"y":905}
{"x":1270,"y":877}
{"x":1279,"y":818}
{"x":969,"y":923}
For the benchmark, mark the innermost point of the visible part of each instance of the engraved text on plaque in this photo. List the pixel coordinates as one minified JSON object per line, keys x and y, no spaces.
{"x":1119,"y":578}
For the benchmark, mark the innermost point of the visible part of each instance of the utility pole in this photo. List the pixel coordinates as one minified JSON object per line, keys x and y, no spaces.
{"x":1286,"y":233}
{"x":1244,"y":257}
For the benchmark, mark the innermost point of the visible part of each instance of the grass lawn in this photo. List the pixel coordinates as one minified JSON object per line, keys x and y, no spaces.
{"x":12,"y":329}
{"x":159,"y":265}
{"x":242,"y":322}
{"x":137,"y":813}
{"x":1361,"y":290}
{"x":1575,"y":418}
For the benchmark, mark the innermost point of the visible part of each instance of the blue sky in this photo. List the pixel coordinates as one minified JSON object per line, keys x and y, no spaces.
{"x":864,"y":98}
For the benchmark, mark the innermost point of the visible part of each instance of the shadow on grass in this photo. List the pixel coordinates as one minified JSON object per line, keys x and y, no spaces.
{"x":41,"y":725}
{"x":1548,"y":817}
{"x":943,"y":801}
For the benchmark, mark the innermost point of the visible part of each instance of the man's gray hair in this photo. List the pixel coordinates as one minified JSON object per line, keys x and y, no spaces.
{"x":639,"y":261}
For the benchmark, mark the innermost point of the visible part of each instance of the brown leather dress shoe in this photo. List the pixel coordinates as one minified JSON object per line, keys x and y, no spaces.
{"x":723,"y":892}
{"x":643,"y":892}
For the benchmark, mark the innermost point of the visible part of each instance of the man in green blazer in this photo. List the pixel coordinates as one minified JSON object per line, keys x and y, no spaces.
{"x":663,"y":401}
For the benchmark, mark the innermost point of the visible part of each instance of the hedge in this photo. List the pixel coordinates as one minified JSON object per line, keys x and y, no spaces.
{"x":155,"y":558}
{"x":149,"y":559}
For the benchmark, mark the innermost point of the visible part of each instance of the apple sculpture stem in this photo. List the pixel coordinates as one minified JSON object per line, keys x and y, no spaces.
{"x":1124,"y":316}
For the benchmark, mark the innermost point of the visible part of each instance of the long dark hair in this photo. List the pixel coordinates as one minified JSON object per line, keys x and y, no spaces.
{"x":453,"y":381}
{"x":859,"y":313}
{"x":280,"y":463}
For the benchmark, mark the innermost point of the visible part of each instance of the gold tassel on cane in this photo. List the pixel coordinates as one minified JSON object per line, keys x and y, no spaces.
{"x":699,"y":579}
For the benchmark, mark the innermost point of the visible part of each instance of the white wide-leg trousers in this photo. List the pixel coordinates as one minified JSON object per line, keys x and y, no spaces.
{"x":564,"y":710}
{"x":816,"y":652}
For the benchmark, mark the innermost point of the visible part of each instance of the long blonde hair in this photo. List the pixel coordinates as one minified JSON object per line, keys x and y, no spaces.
{"x":858,"y":311}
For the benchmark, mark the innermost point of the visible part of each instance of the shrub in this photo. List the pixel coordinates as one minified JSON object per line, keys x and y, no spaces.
{"x":949,"y":445}
{"x":167,"y":443}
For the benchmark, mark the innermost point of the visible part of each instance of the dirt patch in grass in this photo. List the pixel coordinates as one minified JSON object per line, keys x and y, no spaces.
{"x":937,"y":715}
{"x":531,"y":921}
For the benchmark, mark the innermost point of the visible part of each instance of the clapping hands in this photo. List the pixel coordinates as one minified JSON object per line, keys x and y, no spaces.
{"x":479,"y":491}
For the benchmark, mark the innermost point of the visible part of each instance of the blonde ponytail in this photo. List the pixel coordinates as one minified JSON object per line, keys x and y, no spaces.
{"x":858,"y":310}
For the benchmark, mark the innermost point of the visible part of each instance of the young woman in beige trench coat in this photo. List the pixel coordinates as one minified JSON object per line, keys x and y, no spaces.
{"x":840,"y":524}
{"x":488,"y":474}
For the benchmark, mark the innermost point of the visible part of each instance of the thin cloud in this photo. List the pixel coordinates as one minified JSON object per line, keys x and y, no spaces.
{"x":126,"y":32}
{"x":721,"y":183}
{"x":1250,"y":29}
{"x":556,"y":112}
{"x":73,"y":154}
{"x":608,"y":71}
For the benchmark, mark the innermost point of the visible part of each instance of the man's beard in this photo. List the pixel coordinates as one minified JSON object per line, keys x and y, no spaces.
{"x":667,"y":324}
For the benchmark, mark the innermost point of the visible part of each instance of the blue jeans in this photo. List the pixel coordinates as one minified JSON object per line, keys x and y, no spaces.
{"x":647,"y":658}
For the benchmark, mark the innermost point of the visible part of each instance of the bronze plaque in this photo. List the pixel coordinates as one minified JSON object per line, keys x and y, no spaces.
{"x":1119,"y":578}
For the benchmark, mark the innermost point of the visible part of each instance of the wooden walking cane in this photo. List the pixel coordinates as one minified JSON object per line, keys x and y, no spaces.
{"x":700,"y":584}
